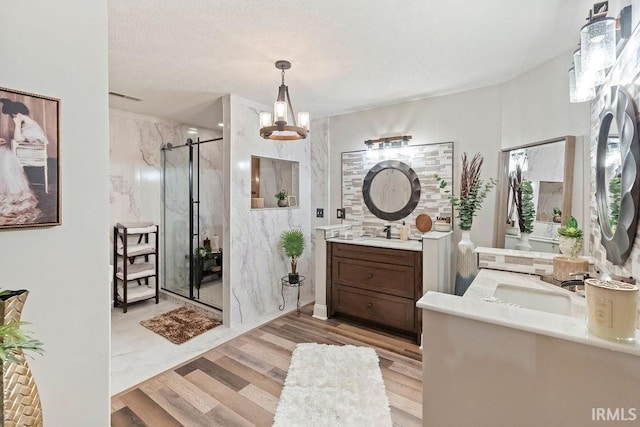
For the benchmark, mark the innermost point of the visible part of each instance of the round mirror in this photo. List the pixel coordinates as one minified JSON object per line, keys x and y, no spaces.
{"x":391,"y":190}
{"x":617,"y":178}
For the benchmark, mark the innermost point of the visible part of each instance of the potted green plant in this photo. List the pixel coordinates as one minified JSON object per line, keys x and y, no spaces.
{"x":282,"y":197}
{"x":571,"y":238}
{"x":557,"y":215}
{"x":293,"y":244}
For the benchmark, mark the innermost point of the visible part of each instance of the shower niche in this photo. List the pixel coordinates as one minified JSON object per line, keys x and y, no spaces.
{"x":275,"y":183}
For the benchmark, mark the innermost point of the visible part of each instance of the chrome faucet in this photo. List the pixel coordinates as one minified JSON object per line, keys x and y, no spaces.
{"x":387,"y":229}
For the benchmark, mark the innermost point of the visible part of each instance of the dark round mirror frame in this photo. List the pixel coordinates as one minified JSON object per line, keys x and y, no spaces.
{"x":413,"y":180}
{"x":622,"y":109}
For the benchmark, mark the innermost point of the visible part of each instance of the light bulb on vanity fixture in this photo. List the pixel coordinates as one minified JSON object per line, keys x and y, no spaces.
{"x":279,"y":129}
{"x":595,"y":54}
{"x":388,"y":142}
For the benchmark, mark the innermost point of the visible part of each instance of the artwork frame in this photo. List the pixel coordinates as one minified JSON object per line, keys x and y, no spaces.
{"x":293,"y":201}
{"x":30,"y":160}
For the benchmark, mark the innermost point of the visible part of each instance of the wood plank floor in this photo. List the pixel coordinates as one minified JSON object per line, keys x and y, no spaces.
{"x":239,"y":383}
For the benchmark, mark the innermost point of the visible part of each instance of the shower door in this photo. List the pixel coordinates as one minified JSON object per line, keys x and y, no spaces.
{"x":176,"y":212}
{"x":193,"y":201}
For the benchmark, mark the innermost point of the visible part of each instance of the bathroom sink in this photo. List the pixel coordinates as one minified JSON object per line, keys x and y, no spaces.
{"x":534,"y":299}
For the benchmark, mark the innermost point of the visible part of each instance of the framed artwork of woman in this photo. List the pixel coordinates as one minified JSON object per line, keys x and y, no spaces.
{"x":29,"y":160}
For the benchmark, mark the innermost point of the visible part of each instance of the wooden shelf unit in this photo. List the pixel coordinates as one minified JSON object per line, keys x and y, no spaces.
{"x":133,"y":269}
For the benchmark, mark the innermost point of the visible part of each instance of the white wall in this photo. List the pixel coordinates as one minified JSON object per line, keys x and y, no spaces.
{"x":470,"y":119}
{"x":59,"y":49}
{"x":532,"y":107}
{"x":258,"y":262}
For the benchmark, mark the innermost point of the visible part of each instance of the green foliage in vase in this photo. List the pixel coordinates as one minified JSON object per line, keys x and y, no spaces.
{"x":571,"y":228}
{"x":522,"y":195}
{"x":293,"y":244}
{"x":14,"y":338}
{"x":281,"y":195}
{"x":473,"y":190}
{"x":557,"y":212}
{"x":614,"y":191}
{"x":528,"y":214}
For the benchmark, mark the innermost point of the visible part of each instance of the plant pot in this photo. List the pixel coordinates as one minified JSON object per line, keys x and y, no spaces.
{"x":21,"y":402}
{"x":294,"y":278}
{"x":523,"y":244}
{"x":569,"y":245}
{"x":283,"y":203}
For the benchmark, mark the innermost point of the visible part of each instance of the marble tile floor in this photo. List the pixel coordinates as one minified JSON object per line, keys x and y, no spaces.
{"x":210,"y":292}
{"x":138,"y":354}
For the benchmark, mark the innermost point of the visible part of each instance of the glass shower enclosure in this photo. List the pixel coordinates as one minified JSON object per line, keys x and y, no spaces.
{"x":193,"y":205}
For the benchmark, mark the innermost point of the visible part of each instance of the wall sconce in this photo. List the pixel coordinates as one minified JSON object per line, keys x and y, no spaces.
{"x":389,"y":142}
{"x":598,"y":40}
{"x":595,"y":54}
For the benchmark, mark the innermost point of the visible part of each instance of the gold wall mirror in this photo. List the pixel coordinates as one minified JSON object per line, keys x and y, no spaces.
{"x":549,"y":166}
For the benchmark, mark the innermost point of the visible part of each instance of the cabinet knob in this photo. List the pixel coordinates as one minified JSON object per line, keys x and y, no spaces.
{"x":370,"y":276}
{"x":370,"y":305}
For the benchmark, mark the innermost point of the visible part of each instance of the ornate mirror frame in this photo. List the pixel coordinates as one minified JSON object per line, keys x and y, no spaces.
{"x":413,"y":181}
{"x":620,"y":107}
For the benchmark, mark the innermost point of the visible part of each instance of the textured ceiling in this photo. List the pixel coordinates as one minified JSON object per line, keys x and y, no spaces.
{"x":179,"y":56}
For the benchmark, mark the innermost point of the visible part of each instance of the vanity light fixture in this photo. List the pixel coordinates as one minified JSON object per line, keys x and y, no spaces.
{"x":278,"y":128}
{"x":598,"y":42}
{"x":388,"y":142}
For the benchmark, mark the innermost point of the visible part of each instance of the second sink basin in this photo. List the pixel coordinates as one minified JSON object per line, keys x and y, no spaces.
{"x":534,"y":299}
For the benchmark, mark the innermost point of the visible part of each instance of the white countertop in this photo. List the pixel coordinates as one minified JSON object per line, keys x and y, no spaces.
{"x":436,"y":235}
{"x":333,"y":227}
{"x":381,"y":242}
{"x":471,"y":306}
{"x":526,"y":254}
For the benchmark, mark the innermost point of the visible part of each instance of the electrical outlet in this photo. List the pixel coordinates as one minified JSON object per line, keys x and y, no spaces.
{"x":319,"y":213}
{"x":340,"y":213}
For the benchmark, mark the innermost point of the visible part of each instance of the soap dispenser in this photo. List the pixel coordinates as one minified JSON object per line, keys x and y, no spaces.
{"x":404,"y":231}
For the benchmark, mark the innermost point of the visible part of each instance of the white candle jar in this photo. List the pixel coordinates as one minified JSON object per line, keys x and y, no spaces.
{"x":612,"y":309}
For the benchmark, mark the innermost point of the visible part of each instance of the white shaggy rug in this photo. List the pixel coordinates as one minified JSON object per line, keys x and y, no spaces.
{"x":333,"y":386}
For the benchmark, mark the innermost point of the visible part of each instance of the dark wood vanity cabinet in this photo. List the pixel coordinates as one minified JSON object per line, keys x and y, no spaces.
{"x":375,"y":286}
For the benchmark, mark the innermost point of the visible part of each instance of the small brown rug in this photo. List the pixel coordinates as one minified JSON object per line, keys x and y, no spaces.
{"x":181,"y":324}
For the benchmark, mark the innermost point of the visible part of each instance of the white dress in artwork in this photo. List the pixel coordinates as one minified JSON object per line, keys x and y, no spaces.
{"x":18,"y":204}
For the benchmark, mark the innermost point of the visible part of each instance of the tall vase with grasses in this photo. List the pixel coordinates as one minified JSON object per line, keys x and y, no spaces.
{"x":20,"y":401}
{"x":522,"y":193}
{"x":473,"y":191}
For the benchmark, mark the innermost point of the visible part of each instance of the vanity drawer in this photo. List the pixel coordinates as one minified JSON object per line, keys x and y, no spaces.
{"x":387,"y":310}
{"x":390,"y":279}
{"x":375,"y":254}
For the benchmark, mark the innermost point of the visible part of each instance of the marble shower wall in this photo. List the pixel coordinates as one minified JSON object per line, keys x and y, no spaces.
{"x":135,"y":171}
{"x":425,"y":160}
{"x":258,"y":262}
{"x":625,"y":73}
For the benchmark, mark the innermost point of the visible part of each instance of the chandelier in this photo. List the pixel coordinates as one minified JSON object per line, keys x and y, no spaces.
{"x":279,"y":128}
